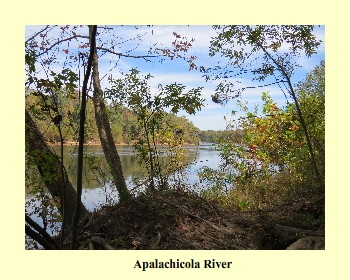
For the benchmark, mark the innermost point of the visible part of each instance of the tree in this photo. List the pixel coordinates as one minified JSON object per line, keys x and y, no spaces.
{"x":49,"y":166}
{"x":134,"y":92}
{"x":50,"y":92}
{"x":43,"y":51}
{"x":105,"y":133}
{"x":41,"y":47}
{"x":269,"y":165}
{"x":311,"y":96}
{"x":92,"y":37}
{"x":263,"y":45}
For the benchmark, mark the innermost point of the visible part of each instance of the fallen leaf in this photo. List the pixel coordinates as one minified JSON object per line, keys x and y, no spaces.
{"x":183,"y":227}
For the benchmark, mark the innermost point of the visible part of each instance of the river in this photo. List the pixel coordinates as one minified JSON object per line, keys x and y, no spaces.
{"x":97,"y":187}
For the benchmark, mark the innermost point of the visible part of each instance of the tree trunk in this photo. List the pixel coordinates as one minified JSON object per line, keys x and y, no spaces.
{"x":300,"y":114}
{"x":48,"y":163}
{"x":74,"y":240}
{"x":106,"y":136}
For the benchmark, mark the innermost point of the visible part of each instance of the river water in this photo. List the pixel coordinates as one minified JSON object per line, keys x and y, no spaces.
{"x":97,"y":187}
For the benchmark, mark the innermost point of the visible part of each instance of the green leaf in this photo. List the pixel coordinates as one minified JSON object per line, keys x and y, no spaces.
{"x":30,"y":60}
{"x":250,"y":115}
{"x":249,"y":137}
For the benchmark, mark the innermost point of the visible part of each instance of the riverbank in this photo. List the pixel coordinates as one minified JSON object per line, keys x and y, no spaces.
{"x":90,"y":143}
{"x":71,"y":143}
{"x":179,"y":220}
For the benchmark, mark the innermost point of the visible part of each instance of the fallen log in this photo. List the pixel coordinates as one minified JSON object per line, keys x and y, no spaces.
{"x":101,"y":241}
{"x":309,"y":232}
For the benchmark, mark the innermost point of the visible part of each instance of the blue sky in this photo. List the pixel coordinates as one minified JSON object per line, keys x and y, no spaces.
{"x":177,"y":70}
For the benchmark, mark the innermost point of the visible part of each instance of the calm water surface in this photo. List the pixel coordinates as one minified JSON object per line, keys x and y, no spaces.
{"x":97,"y":186}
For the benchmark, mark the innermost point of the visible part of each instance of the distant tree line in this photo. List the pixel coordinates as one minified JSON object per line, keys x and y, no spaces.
{"x":214,"y":136}
{"x":124,"y":125}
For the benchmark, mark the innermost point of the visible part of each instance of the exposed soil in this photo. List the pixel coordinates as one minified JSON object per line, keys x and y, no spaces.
{"x":179,"y":221}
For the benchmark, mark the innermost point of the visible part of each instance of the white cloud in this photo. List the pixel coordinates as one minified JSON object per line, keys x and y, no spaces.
{"x":162,"y":35}
{"x":177,"y":70}
{"x":208,"y":122}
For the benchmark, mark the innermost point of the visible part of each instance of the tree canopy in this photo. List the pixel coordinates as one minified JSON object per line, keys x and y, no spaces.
{"x":270,"y":156}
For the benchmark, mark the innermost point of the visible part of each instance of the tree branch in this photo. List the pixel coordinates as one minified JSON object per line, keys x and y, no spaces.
{"x":98,"y":48}
{"x":40,"y":239}
{"x":61,"y":41}
{"x":40,"y":230}
{"x":179,"y":238}
{"x":132,"y":56}
{"x":36,"y":34}
{"x":302,"y":121}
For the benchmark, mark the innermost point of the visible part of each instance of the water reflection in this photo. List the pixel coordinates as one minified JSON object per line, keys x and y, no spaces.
{"x":97,"y":185}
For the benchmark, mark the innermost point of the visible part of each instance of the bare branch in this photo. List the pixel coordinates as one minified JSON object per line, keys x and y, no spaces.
{"x":40,"y":230}
{"x":61,"y":41}
{"x":179,"y":238}
{"x":40,"y":239}
{"x":128,"y":55}
{"x":36,"y":34}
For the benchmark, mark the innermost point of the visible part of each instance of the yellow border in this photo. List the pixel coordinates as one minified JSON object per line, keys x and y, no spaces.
{"x":17,"y":263}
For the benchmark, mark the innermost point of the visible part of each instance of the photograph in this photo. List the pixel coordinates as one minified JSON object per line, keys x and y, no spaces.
{"x":175,"y":137}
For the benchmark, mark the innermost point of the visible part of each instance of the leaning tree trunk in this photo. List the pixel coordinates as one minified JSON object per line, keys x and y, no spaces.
{"x":106,"y":136}
{"x":320,"y":179}
{"x":48,"y":163}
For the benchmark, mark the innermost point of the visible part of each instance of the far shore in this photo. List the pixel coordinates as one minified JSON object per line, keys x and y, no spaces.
{"x":68,"y":143}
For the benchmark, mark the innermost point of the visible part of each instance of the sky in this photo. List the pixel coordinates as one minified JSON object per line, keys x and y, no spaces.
{"x":138,"y":41}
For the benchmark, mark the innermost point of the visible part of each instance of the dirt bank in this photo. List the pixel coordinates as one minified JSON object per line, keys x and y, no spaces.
{"x":180,"y":221}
